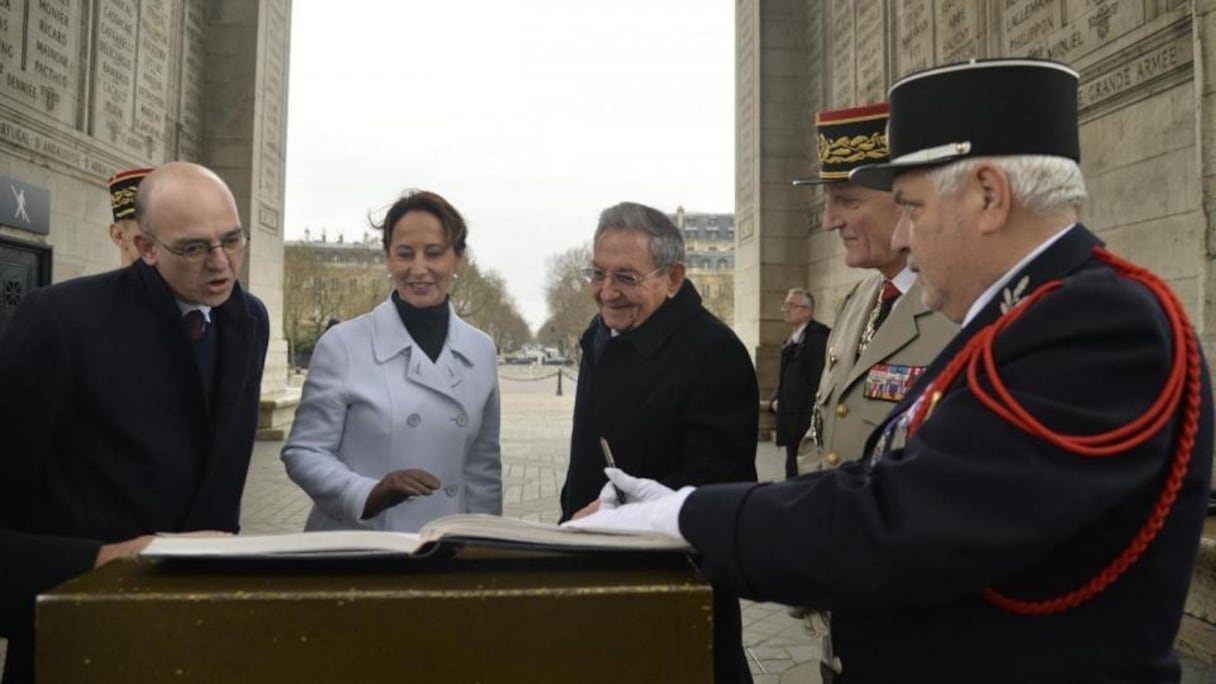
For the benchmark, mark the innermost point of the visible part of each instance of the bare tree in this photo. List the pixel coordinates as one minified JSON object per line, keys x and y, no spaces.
{"x":481,"y":298}
{"x":325,"y":280}
{"x":568,"y":297}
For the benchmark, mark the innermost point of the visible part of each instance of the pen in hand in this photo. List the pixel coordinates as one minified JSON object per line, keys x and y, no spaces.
{"x":620,"y":495}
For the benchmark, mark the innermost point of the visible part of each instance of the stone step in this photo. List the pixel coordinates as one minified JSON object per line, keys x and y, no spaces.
{"x":276,"y":411}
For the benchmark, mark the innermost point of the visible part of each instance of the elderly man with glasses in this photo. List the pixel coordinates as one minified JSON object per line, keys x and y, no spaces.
{"x":99,"y":449}
{"x":664,"y":382}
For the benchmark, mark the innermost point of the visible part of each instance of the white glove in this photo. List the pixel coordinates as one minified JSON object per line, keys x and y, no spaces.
{"x":636,"y":489}
{"x":661,"y":514}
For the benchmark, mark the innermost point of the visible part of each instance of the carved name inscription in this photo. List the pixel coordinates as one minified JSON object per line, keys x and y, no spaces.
{"x":270,"y":167}
{"x":956,"y":30}
{"x":843,"y":64}
{"x":869,"y":31}
{"x":114,"y":72}
{"x":151,"y":76}
{"x":190,"y":103}
{"x":1065,"y":30}
{"x":913,"y":36}
{"x":39,"y":48}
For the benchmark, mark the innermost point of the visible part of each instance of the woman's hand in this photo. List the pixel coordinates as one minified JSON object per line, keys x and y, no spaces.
{"x":399,"y":486}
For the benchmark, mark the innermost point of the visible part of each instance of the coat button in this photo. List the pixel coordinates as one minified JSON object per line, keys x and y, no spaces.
{"x":451,"y":490}
{"x":833,"y":458}
{"x":462,"y":420}
{"x":842,"y":410}
{"x":413,"y":420}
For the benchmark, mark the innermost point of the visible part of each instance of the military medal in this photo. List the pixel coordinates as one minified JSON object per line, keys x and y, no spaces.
{"x":890,"y":382}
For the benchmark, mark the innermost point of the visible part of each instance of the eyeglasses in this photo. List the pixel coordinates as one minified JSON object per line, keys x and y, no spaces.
{"x":787,"y":307}
{"x":197,"y":250}
{"x":598,"y":276}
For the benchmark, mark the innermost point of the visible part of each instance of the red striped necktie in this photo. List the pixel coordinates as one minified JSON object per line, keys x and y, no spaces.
{"x":196,"y":324}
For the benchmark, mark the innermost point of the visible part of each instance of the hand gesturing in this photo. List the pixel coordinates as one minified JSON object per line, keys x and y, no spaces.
{"x":398,"y":486}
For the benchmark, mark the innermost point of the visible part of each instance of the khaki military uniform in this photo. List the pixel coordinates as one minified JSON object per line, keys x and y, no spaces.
{"x":843,"y":416}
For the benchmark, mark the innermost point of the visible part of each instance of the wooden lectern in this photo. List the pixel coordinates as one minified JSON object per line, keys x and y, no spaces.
{"x":483,"y":616}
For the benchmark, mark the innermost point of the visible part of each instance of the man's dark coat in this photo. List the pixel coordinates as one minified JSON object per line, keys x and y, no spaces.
{"x":677,"y":400}
{"x":107,"y":432}
{"x":900,"y":552}
{"x":801,"y":365}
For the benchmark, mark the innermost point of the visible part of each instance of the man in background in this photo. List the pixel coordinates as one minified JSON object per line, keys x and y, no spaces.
{"x":97,"y":449}
{"x":802,"y":358}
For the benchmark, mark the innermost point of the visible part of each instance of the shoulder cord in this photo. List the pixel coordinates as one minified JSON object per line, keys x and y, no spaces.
{"x":1184,"y":375}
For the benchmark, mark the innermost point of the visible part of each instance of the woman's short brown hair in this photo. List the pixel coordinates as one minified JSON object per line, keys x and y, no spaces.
{"x":455,"y":232}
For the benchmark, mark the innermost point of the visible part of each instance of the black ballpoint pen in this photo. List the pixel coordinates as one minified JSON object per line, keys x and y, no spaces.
{"x":620,"y":495}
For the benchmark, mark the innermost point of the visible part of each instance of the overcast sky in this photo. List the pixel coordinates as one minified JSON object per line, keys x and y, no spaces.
{"x":530,"y":116}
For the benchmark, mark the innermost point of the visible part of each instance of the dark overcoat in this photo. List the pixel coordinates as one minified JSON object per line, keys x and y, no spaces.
{"x":676,"y":398}
{"x":107,"y":431}
{"x":678,"y":402}
{"x":900,"y":550}
{"x":801,"y":365}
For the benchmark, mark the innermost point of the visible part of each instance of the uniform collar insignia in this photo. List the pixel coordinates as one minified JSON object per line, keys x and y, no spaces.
{"x":1011,"y":298}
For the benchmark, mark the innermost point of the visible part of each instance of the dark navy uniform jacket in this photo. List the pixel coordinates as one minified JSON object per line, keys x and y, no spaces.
{"x":901,"y":550}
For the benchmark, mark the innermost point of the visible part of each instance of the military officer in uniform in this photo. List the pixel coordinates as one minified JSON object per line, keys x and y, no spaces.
{"x":122,"y":204}
{"x":883,"y":336}
{"x":1031,"y":510}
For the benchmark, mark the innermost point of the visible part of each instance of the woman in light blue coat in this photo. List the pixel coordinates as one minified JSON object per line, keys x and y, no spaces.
{"x":399,"y":420}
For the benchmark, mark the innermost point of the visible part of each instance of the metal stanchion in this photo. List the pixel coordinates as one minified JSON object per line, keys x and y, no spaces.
{"x":559,"y":381}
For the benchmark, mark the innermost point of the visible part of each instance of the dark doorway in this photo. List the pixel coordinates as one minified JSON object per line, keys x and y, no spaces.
{"x":23,"y":267}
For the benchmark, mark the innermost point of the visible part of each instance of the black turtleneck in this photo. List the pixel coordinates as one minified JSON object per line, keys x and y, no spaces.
{"x":428,"y":326}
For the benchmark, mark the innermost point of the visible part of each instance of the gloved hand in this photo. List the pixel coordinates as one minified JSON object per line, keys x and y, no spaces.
{"x":661,"y":514}
{"x":636,"y":489}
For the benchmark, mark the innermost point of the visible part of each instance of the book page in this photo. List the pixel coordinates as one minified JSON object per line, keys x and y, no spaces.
{"x":299,"y":544}
{"x":448,"y":531}
{"x":480,"y":527}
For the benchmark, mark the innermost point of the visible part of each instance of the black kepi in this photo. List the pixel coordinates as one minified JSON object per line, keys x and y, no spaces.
{"x":979,"y":108}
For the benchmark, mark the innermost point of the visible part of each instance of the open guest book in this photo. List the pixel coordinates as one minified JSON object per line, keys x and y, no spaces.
{"x":448,"y":532}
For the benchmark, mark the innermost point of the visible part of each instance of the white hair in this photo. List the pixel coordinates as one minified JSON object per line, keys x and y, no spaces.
{"x":1043,"y":183}
{"x":807,"y":298}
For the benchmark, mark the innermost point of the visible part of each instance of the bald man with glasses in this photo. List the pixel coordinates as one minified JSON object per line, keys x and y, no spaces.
{"x":98,"y":449}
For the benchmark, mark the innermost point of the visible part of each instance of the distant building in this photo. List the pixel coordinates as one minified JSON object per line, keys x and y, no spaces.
{"x":325,"y":281}
{"x":709,"y":246}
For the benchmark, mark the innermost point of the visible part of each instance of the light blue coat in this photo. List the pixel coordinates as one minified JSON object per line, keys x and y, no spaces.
{"x":374,"y":403}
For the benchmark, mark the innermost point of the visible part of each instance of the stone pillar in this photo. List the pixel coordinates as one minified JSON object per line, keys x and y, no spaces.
{"x":90,"y":87}
{"x":1204,"y":44}
{"x":770,"y":227}
{"x":244,"y":114}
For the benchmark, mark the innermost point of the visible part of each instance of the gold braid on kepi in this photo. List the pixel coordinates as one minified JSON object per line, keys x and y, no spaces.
{"x":122,"y":191}
{"x":848,"y":138}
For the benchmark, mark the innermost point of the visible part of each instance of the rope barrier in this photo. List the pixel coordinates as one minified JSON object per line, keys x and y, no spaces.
{"x":573,"y":377}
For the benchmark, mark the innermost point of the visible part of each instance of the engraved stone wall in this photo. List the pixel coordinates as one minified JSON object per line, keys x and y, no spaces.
{"x":1146,"y":127}
{"x":88,"y":87}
